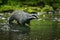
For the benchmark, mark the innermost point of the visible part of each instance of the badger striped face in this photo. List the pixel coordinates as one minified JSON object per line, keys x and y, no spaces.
{"x":32,"y":16}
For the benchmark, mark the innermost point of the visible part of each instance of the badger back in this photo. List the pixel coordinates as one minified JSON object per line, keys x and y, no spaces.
{"x":20,"y":15}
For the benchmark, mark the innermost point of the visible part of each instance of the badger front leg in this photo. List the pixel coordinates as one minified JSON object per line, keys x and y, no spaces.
{"x":28,"y":22}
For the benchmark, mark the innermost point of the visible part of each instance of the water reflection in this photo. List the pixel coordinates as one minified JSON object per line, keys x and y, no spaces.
{"x":15,"y":32}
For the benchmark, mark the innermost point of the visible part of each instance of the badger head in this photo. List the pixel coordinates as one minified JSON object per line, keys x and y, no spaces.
{"x":32,"y":16}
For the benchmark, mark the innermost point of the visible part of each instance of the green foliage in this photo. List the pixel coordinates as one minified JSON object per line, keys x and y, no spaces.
{"x":28,"y":4}
{"x":46,"y":8}
{"x":14,"y":3}
{"x":28,"y":9}
{"x":32,"y":9}
{"x":7,"y":7}
{"x":0,"y":1}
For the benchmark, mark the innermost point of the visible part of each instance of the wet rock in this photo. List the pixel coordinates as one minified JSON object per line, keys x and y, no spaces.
{"x":5,"y":27}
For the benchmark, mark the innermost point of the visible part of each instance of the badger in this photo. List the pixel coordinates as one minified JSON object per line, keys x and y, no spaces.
{"x":22,"y":17}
